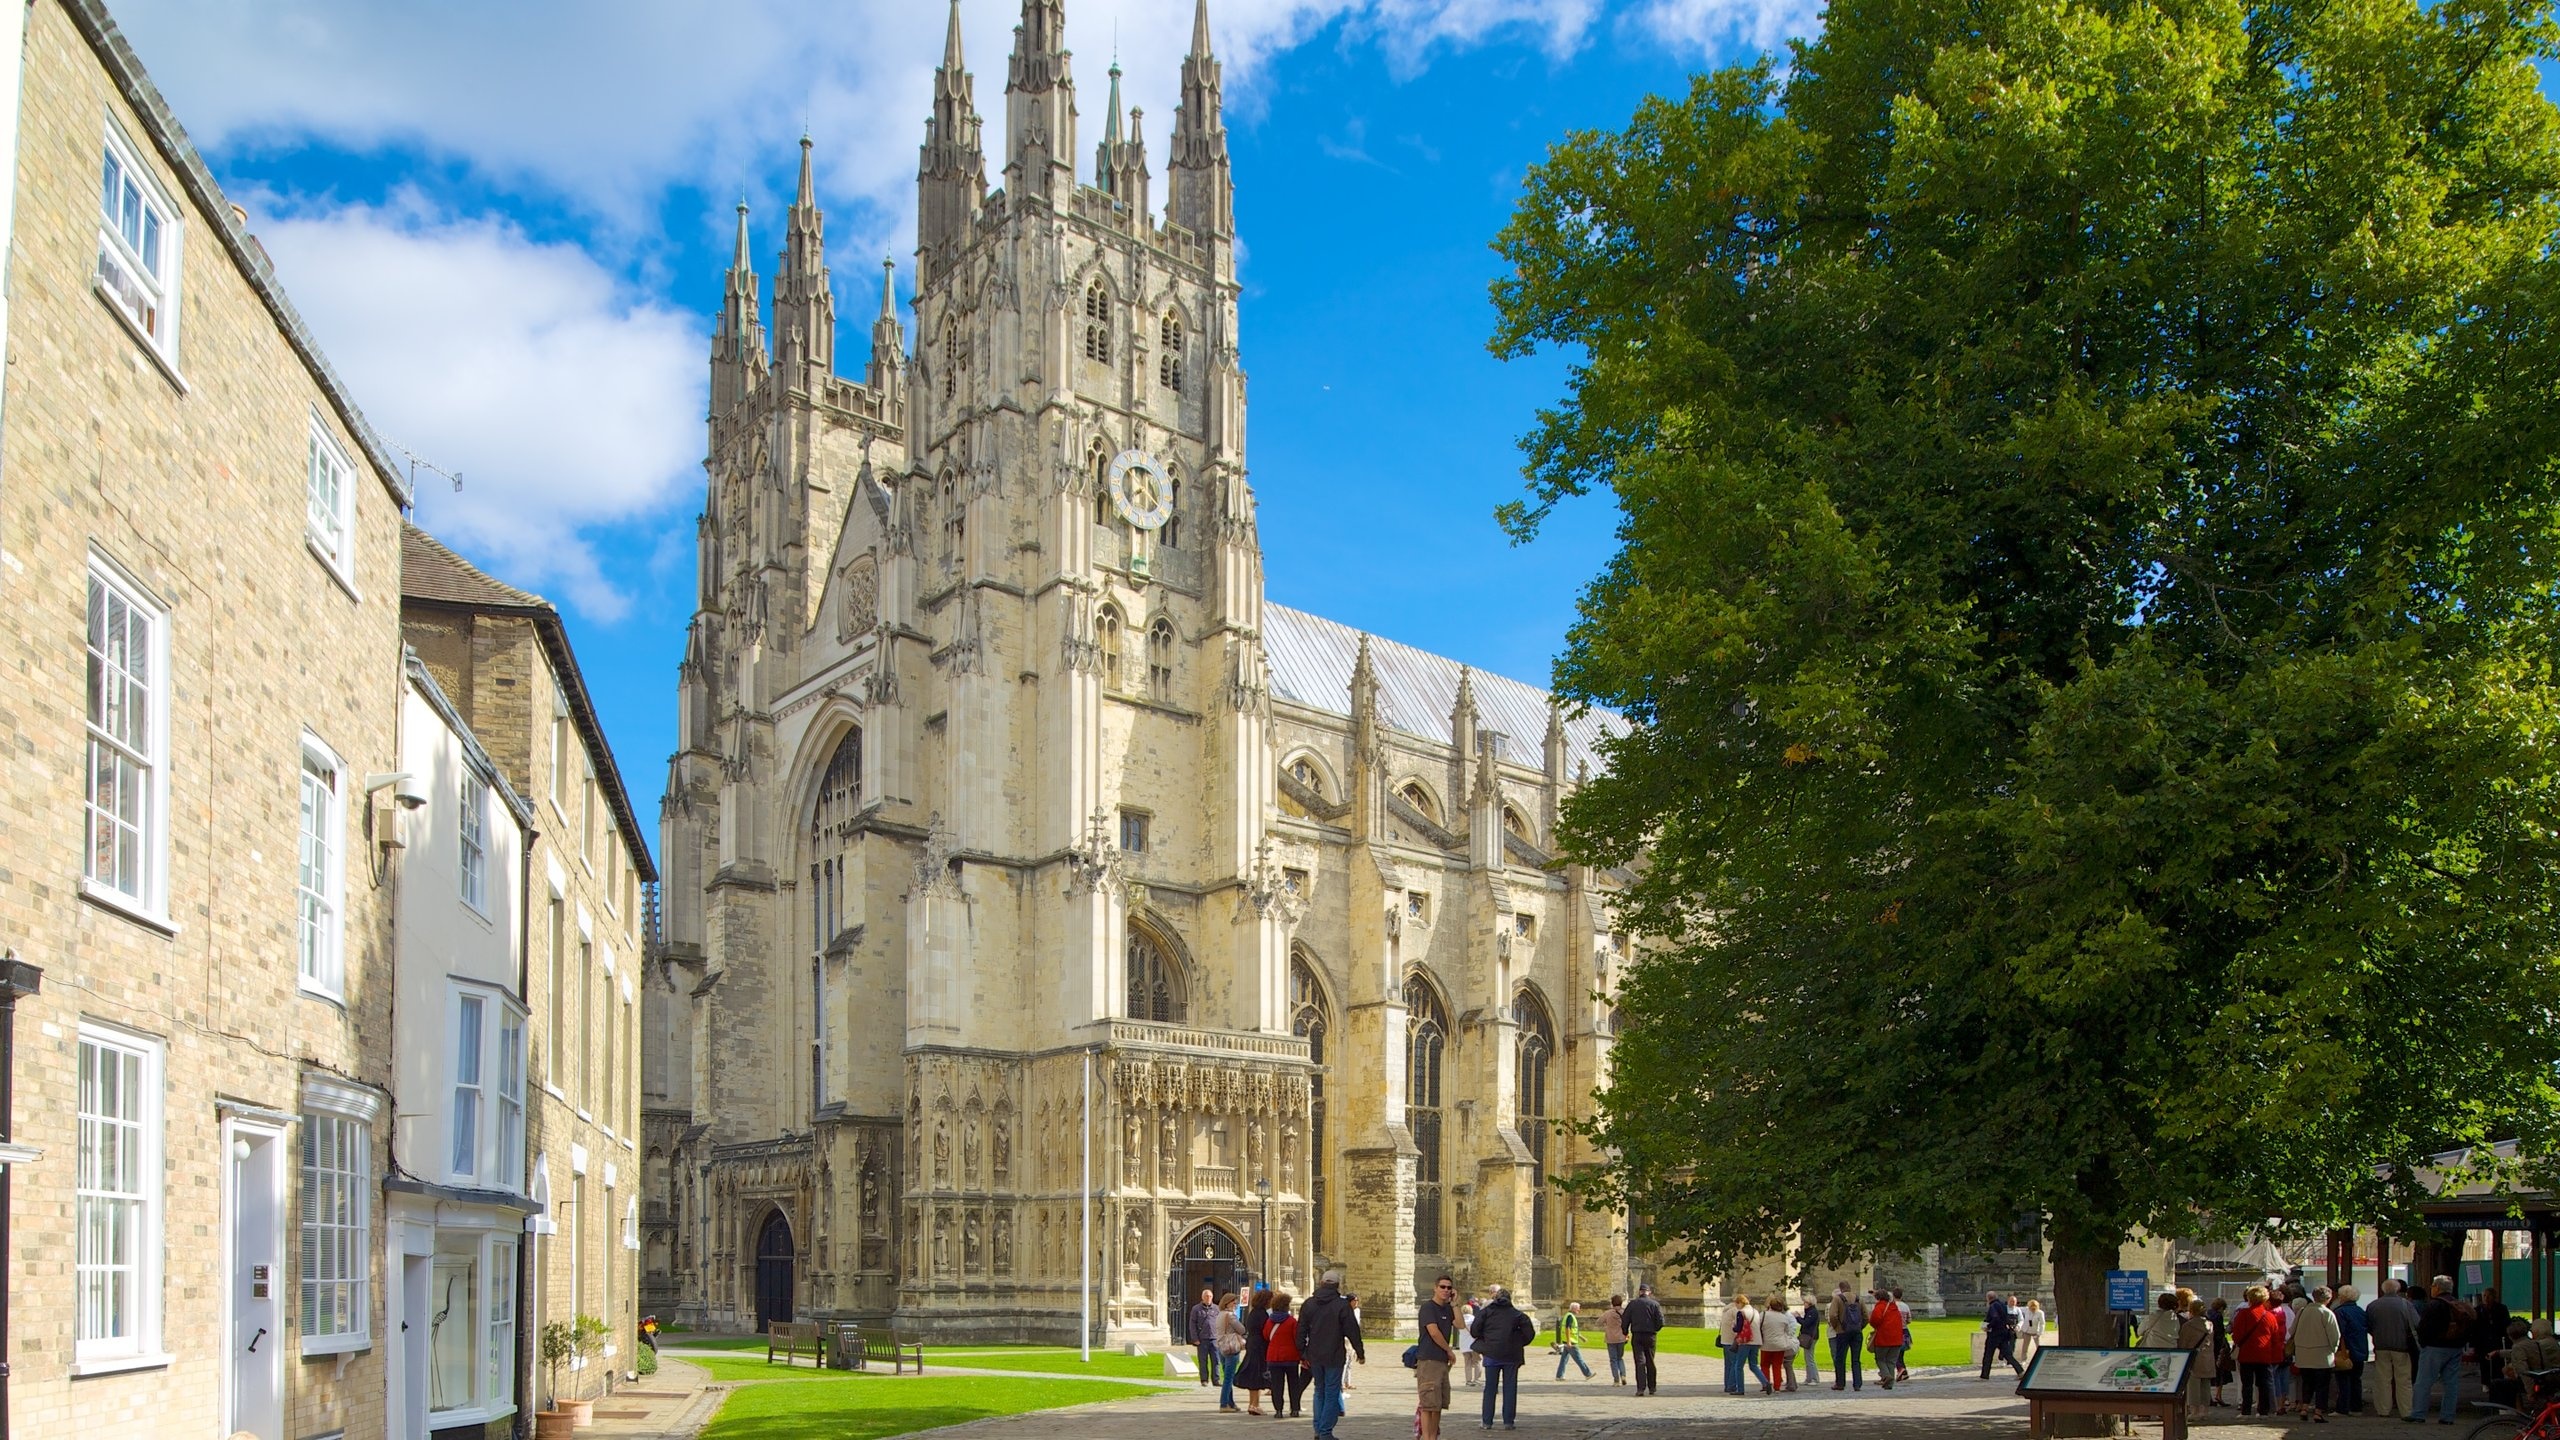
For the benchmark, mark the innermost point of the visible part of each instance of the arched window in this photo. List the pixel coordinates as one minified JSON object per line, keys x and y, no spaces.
{"x":1537,"y":1046}
{"x":1101,"y":485}
{"x":1171,"y":534}
{"x":1516,"y":823}
{"x":1303,"y":770}
{"x":830,"y":826}
{"x":1169,"y":353}
{"x":950,"y":355}
{"x":1155,"y":980}
{"x":1420,"y":799}
{"x":955,"y":523}
{"x":1160,"y":659}
{"x":1311,"y":1020}
{"x":1106,"y":634}
{"x":1097,"y":323}
{"x":1426,"y":1029}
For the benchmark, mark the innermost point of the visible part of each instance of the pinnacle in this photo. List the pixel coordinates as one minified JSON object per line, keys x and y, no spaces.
{"x":808,"y":188}
{"x":951,"y":42}
{"x":888,"y":287}
{"x":1200,"y":31}
{"x":740,"y":262}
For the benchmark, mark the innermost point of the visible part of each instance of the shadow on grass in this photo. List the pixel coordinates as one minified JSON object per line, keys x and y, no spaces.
{"x":866,"y":1412}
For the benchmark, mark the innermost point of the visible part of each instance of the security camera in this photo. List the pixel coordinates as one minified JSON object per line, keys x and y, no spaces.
{"x":405,"y":790}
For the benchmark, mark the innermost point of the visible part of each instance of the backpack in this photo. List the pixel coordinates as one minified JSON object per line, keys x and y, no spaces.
{"x":1853,"y":1319}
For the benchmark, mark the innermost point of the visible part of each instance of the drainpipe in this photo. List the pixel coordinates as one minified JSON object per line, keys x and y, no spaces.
{"x":18,"y":979}
{"x":525,"y":1306}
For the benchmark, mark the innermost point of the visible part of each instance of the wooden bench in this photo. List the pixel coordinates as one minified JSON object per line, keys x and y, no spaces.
{"x":789,"y":1338}
{"x":884,"y":1344}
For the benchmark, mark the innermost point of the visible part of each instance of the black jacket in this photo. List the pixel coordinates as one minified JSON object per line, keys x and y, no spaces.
{"x":1326,"y":1326}
{"x":1503,"y":1334}
{"x":1644,"y":1316}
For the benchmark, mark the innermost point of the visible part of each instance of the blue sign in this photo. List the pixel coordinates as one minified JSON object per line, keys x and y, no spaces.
{"x":2129,"y":1290}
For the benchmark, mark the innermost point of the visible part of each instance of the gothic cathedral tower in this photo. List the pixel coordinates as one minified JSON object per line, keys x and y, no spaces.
{"x":979,"y":986}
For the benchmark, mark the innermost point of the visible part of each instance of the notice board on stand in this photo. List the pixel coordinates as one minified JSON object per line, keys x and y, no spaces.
{"x":2097,"y":1380}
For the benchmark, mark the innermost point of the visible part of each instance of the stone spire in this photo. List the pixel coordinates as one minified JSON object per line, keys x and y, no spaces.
{"x":1462,"y":715}
{"x":1120,"y":166}
{"x":888,"y":337}
{"x":1040,"y":106}
{"x":951,"y":171}
{"x":1364,"y":700}
{"x":804,"y":305}
{"x":737,"y":341}
{"x":1201,"y":192}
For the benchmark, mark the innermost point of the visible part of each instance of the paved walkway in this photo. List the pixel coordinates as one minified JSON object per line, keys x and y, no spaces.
{"x":1939,"y":1405}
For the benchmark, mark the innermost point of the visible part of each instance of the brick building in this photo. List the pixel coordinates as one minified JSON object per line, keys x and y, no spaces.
{"x":200,"y":621}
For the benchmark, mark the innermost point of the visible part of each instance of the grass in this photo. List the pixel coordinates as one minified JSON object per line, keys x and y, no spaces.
{"x":715,"y":1342}
{"x":1055,"y":1359}
{"x":846,"y":1411}
{"x":1946,"y":1341}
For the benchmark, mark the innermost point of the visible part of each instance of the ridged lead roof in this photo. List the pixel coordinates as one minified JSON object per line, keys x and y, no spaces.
{"x":1311,"y":663}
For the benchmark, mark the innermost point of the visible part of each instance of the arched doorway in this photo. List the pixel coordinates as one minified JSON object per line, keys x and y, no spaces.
{"x":1208,"y":1259}
{"x":773,"y":1271}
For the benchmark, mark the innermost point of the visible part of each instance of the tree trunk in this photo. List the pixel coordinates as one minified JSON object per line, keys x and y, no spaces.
{"x":2080,"y":1266}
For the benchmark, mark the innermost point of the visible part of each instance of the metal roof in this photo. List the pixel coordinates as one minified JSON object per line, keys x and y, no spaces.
{"x":1311,"y":663}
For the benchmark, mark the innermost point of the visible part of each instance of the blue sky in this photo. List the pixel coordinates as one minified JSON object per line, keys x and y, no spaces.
{"x":515,"y":262}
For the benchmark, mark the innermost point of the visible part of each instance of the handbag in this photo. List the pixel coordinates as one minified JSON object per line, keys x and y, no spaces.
{"x":1413,"y":1356}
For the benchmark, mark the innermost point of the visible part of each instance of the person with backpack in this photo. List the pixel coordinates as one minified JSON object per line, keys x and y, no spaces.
{"x":1999,"y":1334}
{"x":1644,"y":1327}
{"x":1328,"y":1336}
{"x":1848,"y":1330}
{"x":2444,"y":1327}
{"x":1892,"y":1336}
{"x":1613,"y":1332}
{"x":1740,"y":1341}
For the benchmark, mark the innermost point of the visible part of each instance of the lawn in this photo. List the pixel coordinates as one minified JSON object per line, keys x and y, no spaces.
{"x":1933,"y":1342}
{"x":742,"y":1358}
{"x":711,"y":1342}
{"x":853,"y":1408}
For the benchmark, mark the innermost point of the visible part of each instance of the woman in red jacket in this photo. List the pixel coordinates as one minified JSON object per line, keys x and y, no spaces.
{"x":2257,"y":1339}
{"x":1287,"y":1366}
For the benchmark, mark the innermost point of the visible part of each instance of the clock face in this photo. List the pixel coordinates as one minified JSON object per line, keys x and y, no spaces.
{"x":1139,"y":489}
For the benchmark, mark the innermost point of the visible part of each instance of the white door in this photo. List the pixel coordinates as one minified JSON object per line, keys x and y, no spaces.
{"x":414,"y":1288}
{"x":256,"y":1318}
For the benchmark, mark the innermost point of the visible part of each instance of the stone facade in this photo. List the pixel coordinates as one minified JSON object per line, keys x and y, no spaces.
{"x":503,"y":658}
{"x":161,"y":441}
{"x":1010,"y":822}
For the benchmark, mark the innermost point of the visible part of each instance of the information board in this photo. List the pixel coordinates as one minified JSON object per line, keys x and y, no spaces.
{"x":2076,"y":1370}
{"x":2129,"y":1290}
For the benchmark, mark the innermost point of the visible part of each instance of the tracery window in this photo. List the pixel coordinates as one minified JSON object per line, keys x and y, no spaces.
{"x":1303,"y":770}
{"x":1169,"y":356}
{"x":1536,"y":1047}
{"x":1426,"y":1046}
{"x":830,"y":822}
{"x":1097,"y":323}
{"x":1171,"y":533}
{"x":1106,"y":634}
{"x":1101,"y":486}
{"x":1311,"y":1020}
{"x":1515,"y":823}
{"x":1155,"y":980}
{"x":1420,"y":799}
{"x":950,"y":355}
{"x":955,"y":523}
{"x":1160,"y":659}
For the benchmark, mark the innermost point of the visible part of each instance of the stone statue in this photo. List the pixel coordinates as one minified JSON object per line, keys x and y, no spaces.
{"x":969,"y":1151}
{"x":1041,"y":1243}
{"x":1004,"y":1245}
{"x":969,"y":1251}
{"x":1136,"y":1148}
{"x":941,"y":1150}
{"x":1288,"y":1153}
{"x":1004,"y":1150}
{"x":1172,"y":1147}
{"x":941,"y":1250}
{"x":1133,"y":1249}
{"x":1255,"y":1160}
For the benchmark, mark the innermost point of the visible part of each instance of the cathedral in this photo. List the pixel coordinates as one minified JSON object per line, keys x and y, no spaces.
{"x":1053,"y":924}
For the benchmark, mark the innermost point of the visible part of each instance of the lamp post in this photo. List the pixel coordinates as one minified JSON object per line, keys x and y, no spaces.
{"x":1262,"y":1187}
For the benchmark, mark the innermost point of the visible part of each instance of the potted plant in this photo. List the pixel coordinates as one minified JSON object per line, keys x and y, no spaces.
{"x":560,"y":1347}
{"x":587,"y":1335}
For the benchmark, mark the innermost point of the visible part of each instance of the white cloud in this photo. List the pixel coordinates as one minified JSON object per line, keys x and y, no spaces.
{"x":1708,"y":27}
{"x":607,"y":102}
{"x":562,"y":400}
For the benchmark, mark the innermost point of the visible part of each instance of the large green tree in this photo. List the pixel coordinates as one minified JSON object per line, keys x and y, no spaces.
{"x":2085,"y":601}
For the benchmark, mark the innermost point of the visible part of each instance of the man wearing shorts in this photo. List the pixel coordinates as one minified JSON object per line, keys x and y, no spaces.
{"x":1436,"y":1353}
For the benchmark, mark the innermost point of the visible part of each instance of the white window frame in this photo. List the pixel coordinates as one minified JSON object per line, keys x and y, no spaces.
{"x":492,"y":1255}
{"x":139,"y":1344}
{"x":560,"y":752}
{"x":488,"y":1092}
{"x":471,"y":825}
{"x":465,"y":1136}
{"x":322,"y":937}
{"x":335,"y":1226}
{"x":335,"y":510}
{"x":147,"y":752}
{"x":122,"y":276}
{"x":508,"y":1134}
